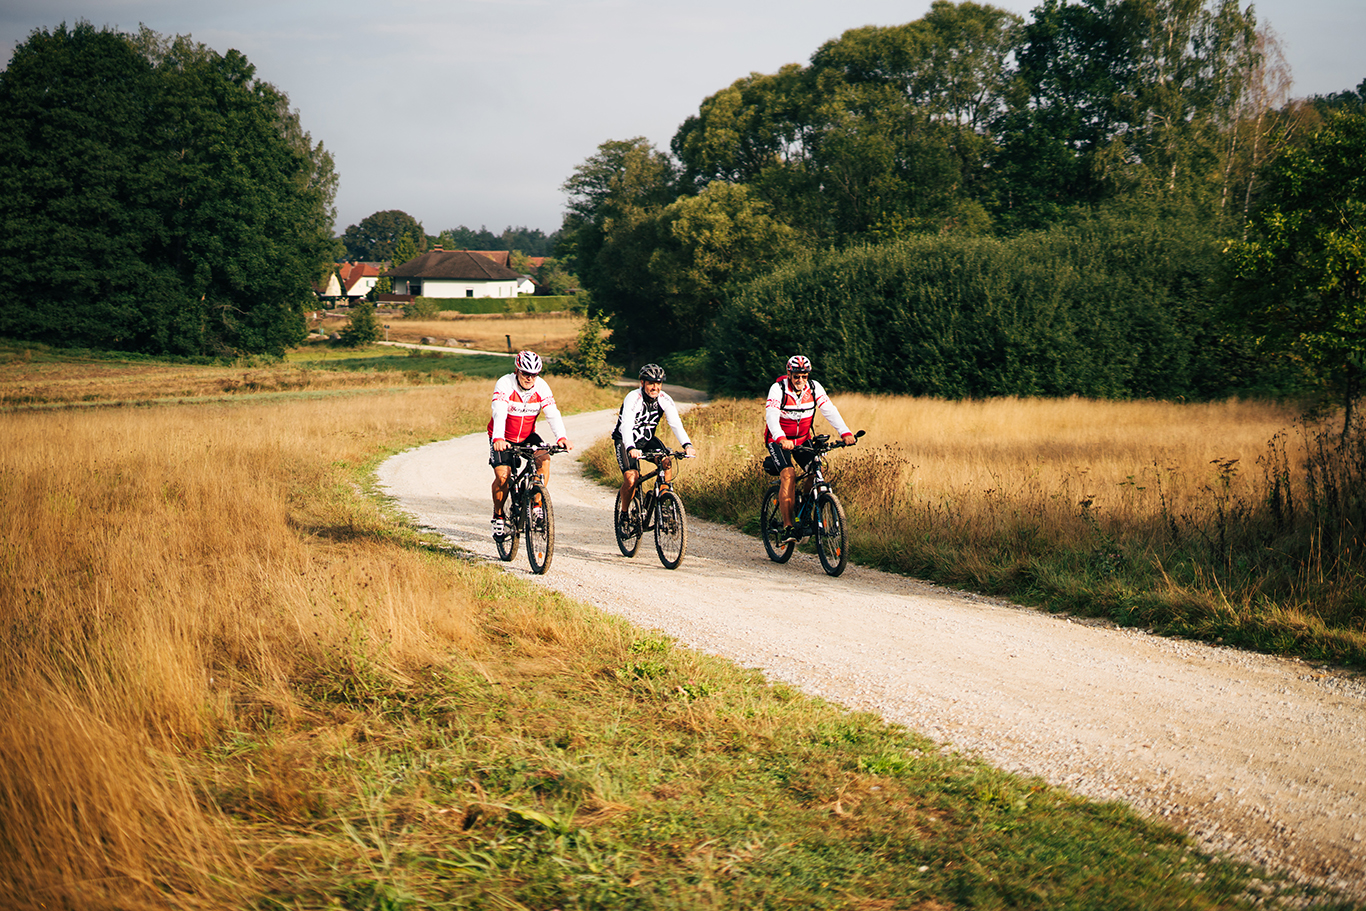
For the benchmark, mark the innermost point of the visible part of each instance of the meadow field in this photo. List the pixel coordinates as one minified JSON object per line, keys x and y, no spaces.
{"x":548,"y":334}
{"x":231,"y":678}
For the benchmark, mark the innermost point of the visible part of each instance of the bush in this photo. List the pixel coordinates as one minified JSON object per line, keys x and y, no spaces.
{"x":588,"y":360}
{"x":363,"y":328}
{"x":421,"y":308}
{"x":1107,"y":308}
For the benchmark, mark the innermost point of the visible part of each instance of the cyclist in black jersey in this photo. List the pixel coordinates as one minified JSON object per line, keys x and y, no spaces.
{"x":637,"y":421}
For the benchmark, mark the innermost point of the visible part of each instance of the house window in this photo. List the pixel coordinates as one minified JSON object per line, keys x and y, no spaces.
{"x":415,"y":287}
{"x":469,"y":292}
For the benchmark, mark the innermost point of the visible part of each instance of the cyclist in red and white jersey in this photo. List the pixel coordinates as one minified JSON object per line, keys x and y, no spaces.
{"x":789,"y":413}
{"x":518,"y":399}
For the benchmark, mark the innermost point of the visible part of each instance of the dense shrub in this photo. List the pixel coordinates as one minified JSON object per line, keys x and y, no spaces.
{"x":1108,"y":308}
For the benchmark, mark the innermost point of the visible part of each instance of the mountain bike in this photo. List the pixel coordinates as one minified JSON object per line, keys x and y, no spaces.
{"x":817,"y":513}
{"x":527,"y":511}
{"x":658,"y":508}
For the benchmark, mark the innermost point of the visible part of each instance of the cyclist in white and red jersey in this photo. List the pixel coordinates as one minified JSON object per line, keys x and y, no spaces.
{"x":518,"y":399}
{"x":789,"y":413}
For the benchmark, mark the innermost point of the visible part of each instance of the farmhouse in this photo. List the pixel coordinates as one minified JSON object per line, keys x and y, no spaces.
{"x":453,"y":273}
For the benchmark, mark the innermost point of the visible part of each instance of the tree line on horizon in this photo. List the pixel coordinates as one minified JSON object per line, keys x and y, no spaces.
{"x":1103,"y":198}
{"x":394,"y":236}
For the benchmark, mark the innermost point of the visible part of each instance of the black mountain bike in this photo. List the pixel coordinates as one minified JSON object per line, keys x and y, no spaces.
{"x":817,"y":513}
{"x":658,"y":508}
{"x":527,"y":511}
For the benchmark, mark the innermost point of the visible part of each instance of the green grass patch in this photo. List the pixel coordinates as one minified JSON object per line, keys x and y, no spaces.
{"x":635,"y":774}
{"x":434,"y":364}
{"x":493,"y":305}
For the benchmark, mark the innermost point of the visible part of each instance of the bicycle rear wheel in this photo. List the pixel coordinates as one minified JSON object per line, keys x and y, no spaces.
{"x":771,"y":528}
{"x":507,"y":542}
{"x":832,"y":537}
{"x":628,"y":539}
{"x":540,"y":529}
{"x":671,"y":529}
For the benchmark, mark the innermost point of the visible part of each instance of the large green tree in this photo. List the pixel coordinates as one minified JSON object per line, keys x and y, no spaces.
{"x":1297,"y":277}
{"x":159,"y":197}
{"x":374,"y":238}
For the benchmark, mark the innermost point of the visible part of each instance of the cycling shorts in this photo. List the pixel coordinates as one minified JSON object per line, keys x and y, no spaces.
{"x":626,"y":463}
{"x":784,"y":458}
{"x":507,"y":456}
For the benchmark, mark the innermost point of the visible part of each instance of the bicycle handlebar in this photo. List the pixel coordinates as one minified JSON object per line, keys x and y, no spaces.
{"x":524,"y":450}
{"x":655,"y":455}
{"x":822,"y":443}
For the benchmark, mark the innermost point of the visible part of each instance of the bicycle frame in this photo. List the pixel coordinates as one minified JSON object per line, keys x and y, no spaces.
{"x":653,"y":507}
{"x":660,"y":484}
{"x":523,"y":476}
{"x":816,"y":512}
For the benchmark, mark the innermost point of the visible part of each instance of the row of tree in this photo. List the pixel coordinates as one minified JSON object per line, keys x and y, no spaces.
{"x":394,"y":236}
{"x":158,"y":197}
{"x":973,"y":122}
{"x":376,"y":237}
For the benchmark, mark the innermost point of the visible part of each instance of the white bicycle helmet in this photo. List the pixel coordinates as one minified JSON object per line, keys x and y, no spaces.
{"x":799,"y":363}
{"x":529,"y":362}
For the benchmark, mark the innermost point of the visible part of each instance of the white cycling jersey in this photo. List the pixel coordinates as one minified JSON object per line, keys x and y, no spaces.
{"x":640,"y":418}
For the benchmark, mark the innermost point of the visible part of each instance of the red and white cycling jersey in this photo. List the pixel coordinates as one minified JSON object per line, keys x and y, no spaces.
{"x":789,"y":413}
{"x":515,"y":410}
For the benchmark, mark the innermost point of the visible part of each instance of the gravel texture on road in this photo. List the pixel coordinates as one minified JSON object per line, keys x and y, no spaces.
{"x":1256,"y":757}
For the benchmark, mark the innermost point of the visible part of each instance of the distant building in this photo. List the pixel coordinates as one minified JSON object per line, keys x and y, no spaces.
{"x":453,"y":273}
{"x":349,"y":282}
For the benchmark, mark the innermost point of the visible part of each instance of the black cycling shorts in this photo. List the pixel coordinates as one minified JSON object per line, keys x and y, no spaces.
{"x":507,"y":456}
{"x":784,"y":458}
{"x":626,"y":463}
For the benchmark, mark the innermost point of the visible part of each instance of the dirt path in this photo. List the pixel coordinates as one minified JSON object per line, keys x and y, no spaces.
{"x":1255,"y":756}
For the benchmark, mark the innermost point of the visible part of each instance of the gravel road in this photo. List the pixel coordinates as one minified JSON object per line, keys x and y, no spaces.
{"x":1256,"y":757}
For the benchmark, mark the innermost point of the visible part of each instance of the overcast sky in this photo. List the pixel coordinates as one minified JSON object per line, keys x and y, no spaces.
{"x":473,"y":112}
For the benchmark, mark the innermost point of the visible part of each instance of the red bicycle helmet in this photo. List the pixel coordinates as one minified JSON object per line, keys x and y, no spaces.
{"x":798,"y":363}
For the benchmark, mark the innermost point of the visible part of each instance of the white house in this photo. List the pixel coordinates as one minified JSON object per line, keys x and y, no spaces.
{"x":453,"y":273}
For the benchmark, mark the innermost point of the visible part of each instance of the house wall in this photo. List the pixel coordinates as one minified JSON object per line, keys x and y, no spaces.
{"x":430,"y":287}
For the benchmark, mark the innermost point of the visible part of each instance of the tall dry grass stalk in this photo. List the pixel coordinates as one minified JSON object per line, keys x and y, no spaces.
{"x":171,"y":575}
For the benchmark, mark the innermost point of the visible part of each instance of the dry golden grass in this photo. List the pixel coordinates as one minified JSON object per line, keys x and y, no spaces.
{"x":1190,"y":518}
{"x":1122,"y":458}
{"x":24,"y":382}
{"x":547,"y":334}
{"x":1113,"y":454}
{"x":171,"y":575}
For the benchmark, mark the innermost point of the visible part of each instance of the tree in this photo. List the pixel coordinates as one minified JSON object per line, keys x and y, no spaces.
{"x":159,"y":197}
{"x":613,"y":196}
{"x":1297,"y":278}
{"x":404,"y":250}
{"x":374,"y":238}
{"x":363,"y":327}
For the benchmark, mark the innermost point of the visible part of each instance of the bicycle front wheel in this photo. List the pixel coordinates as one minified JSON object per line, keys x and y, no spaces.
{"x":771,"y":528}
{"x":628,"y":534}
{"x":540,"y":529}
{"x":507,"y":541}
{"x":671,"y":529}
{"x":832,"y":536}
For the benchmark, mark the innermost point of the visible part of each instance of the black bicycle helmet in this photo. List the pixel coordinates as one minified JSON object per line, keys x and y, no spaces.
{"x":652,"y":373}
